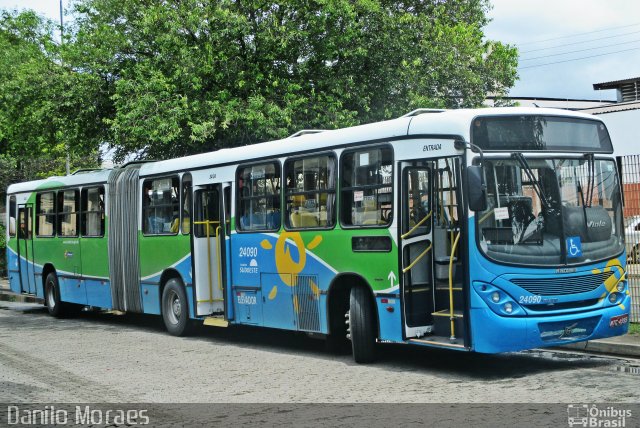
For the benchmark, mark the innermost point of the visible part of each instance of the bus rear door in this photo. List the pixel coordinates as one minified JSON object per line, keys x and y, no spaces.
{"x":25,"y":249}
{"x":209,"y":247}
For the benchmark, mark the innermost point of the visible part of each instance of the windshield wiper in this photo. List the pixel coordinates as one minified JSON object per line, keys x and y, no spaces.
{"x":591,"y":178}
{"x":537,"y":186}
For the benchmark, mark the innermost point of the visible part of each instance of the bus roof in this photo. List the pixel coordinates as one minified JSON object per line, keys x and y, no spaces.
{"x":79,"y":179}
{"x":453,"y":123}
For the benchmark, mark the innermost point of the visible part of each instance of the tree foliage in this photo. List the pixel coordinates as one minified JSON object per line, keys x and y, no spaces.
{"x":166,"y":78}
{"x":45,"y":106}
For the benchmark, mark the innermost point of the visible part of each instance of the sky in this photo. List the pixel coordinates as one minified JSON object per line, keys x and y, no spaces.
{"x":561,"y":31}
{"x":48,"y":8}
{"x":558,"y":33}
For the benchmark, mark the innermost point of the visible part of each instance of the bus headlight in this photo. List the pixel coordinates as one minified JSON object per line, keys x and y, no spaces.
{"x":613,"y":297}
{"x":620,"y":286}
{"x":497,"y":300}
{"x":508,"y":307}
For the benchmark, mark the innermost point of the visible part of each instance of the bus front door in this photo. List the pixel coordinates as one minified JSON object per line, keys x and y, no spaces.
{"x":25,"y":249}
{"x":209,"y":248}
{"x":416,"y":243}
{"x":432,"y":277}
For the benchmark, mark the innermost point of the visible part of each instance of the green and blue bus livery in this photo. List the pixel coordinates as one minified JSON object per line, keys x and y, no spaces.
{"x":489,"y":230}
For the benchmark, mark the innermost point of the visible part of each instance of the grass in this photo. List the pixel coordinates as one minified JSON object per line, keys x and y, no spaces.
{"x":634,"y":328}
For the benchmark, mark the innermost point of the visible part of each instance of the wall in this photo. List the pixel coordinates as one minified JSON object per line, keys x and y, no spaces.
{"x":624,"y":128}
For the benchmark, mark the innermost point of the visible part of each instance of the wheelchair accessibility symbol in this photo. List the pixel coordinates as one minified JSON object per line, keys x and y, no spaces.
{"x":574,"y":246}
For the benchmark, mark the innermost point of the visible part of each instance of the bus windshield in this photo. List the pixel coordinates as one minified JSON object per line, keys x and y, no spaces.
{"x":551,"y":211}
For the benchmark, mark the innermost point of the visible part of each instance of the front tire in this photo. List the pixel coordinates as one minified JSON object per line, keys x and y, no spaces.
{"x":361,"y":325}
{"x":175,"y":308}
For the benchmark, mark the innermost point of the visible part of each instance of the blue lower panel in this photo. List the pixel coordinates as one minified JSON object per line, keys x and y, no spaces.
{"x":390,"y":318}
{"x":189,"y":288}
{"x":98,"y":293}
{"x":14,"y":281}
{"x":277,"y":307}
{"x":39,"y":283}
{"x":248,"y":306}
{"x":14,"y":274}
{"x":492,"y":333}
{"x":72,"y":290}
{"x":151,"y":299}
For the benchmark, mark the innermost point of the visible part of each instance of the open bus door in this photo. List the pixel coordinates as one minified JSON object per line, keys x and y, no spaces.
{"x":210,"y":228}
{"x":432,"y":279}
{"x":416,"y":243}
{"x":25,"y":249}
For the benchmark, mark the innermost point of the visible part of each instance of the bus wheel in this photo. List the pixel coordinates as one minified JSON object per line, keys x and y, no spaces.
{"x":361,"y":325}
{"x":52,"y":295}
{"x":175,"y":309}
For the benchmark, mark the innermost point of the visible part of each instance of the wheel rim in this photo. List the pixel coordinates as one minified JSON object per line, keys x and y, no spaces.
{"x":173,"y":307}
{"x":51,"y":299}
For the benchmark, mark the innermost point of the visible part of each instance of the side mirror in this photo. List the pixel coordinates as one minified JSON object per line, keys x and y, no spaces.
{"x":477,"y":188}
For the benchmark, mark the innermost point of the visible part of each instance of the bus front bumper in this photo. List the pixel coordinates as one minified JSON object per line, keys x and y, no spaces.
{"x":492,"y":333}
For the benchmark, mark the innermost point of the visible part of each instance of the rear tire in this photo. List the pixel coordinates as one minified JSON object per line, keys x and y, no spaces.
{"x":52,"y":296}
{"x":175,"y":308}
{"x":55,"y":306}
{"x":361,"y":322}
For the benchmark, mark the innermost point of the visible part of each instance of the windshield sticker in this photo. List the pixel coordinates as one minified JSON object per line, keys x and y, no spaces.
{"x":501,"y":213}
{"x":574,"y":247}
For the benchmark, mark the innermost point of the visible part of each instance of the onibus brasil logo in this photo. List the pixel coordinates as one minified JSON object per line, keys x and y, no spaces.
{"x":585,"y":415}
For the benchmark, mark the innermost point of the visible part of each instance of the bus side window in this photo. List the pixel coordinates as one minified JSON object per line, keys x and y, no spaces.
{"x":161,"y":205}
{"x":12,"y":216}
{"x":258,"y":197}
{"x":367,"y":187}
{"x":68,"y":202}
{"x":92,"y":207}
{"x":310,"y":193}
{"x":46,"y":214}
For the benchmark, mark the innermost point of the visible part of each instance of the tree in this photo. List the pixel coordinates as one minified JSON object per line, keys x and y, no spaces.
{"x":189,"y":76}
{"x":47,"y":110}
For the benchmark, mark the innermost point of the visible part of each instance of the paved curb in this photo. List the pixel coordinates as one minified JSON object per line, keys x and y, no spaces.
{"x":604,"y":346}
{"x":8,"y":295}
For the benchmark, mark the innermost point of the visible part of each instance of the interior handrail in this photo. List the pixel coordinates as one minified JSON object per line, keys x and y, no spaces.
{"x":408,"y":268}
{"x":451,"y":257}
{"x":417,"y":225}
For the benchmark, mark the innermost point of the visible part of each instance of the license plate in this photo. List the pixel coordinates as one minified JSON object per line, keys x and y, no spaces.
{"x":619,"y":320}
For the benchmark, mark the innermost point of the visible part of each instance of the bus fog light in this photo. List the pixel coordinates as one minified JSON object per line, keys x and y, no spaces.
{"x":620,"y":286}
{"x":613,"y":297}
{"x":495,"y":296}
{"x":508,"y":307}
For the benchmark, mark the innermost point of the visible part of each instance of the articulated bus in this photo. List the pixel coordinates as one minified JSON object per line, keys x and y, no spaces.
{"x":488,"y":230}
